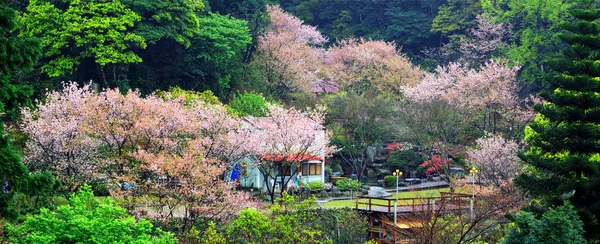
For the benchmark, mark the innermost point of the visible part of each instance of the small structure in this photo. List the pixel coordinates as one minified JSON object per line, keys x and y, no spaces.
{"x":311,"y":164}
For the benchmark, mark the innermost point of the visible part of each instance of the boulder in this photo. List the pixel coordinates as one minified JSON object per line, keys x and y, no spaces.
{"x":383,"y":172}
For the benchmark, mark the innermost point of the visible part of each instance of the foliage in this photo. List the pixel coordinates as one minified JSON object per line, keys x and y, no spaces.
{"x":211,"y":236}
{"x":315,"y":225}
{"x":287,"y":55}
{"x":83,"y":30}
{"x":189,"y":97}
{"x":348,"y":184}
{"x":171,"y":19}
{"x":563,"y":155}
{"x":16,"y":53}
{"x":456,"y":16}
{"x":254,"y":227}
{"x":218,"y":47}
{"x":436,"y":127}
{"x":403,"y":22}
{"x":496,"y":159}
{"x":249,"y":104}
{"x":86,"y":219}
{"x":560,"y":224}
{"x":316,"y":186}
{"x":535,"y":39}
{"x":405,"y":160}
{"x":486,"y":98}
{"x":171,"y":153}
{"x":359,"y":124}
{"x":370,"y":67}
{"x":390,"y":180}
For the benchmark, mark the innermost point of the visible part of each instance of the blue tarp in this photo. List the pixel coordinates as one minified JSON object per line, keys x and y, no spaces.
{"x":235,"y":173}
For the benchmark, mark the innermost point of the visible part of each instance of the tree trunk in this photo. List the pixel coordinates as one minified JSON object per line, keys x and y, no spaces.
{"x":102,"y":76}
{"x":114,"y":73}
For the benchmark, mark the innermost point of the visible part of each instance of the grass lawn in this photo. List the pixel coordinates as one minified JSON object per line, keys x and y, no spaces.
{"x":406,"y":194}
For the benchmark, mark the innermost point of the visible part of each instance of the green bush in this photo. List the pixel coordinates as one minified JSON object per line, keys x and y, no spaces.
{"x":348,"y":184}
{"x":404,"y":160}
{"x":249,"y":104}
{"x":390,"y":180}
{"x":316,"y":186}
{"x":87,"y":220}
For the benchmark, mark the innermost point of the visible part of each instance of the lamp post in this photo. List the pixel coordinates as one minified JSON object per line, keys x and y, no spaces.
{"x":473,"y":171}
{"x":397,"y":174}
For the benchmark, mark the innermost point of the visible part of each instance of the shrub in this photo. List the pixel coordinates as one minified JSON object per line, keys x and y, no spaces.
{"x":390,"y":180}
{"x":87,"y":220}
{"x":404,"y":160}
{"x":316,"y":186}
{"x":348,"y":184}
{"x":249,"y":104}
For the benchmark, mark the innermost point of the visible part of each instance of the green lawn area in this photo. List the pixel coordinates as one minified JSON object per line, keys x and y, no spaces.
{"x":406,"y":194}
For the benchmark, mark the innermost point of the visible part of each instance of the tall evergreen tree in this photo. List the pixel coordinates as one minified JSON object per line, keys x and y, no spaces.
{"x":15,"y":53}
{"x":564,"y":156}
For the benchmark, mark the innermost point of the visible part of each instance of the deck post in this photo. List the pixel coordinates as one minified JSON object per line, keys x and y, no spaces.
{"x":472,"y":212}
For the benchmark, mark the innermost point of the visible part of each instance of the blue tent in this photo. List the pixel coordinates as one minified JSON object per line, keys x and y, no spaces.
{"x":235,"y":173}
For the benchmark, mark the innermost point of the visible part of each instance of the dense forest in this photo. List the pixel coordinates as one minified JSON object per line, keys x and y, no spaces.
{"x":117,"y":97}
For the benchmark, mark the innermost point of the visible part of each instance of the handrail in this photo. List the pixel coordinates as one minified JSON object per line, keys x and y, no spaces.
{"x":412,"y":202}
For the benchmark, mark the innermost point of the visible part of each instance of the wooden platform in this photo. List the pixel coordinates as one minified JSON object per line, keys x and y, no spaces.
{"x":447,"y":201}
{"x":381,"y":213}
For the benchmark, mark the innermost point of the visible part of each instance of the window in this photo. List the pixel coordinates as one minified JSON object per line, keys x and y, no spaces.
{"x":311,"y":169}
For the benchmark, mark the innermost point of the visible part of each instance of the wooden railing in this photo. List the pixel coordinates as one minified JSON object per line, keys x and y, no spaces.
{"x":416,"y":203}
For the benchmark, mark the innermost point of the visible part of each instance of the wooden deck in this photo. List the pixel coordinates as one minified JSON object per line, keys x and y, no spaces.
{"x":381,"y":213}
{"x":447,"y":201}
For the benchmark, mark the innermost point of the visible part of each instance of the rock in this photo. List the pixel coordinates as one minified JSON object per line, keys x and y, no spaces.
{"x":376,"y":191}
{"x":384,"y":172}
{"x":335,"y":190}
{"x":371,"y":172}
{"x":323,"y":194}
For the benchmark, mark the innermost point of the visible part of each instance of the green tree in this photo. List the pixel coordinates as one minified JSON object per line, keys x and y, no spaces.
{"x":535,"y":25}
{"x":87,"y":220}
{"x":456,"y":16}
{"x":173,"y":19}
{"x":564,"y":139}
{"x":557,"y":225}
{"x":218,"y":49}
{"x":99,"y":30}
{"x":249,"y":104}
{"x":360,"y":123}
{"x":16,"y":53}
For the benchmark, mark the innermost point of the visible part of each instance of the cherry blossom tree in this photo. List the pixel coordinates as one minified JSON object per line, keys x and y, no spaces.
{"x":486,"y":97}
{"x":289,"y":53}
{"x":496,"y":158}
{"x":483,"y":40}
{"x":287,"y":137}
{"x":359,"y":65}
{"x":142,"y":141}
{"x":57,"y":140}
